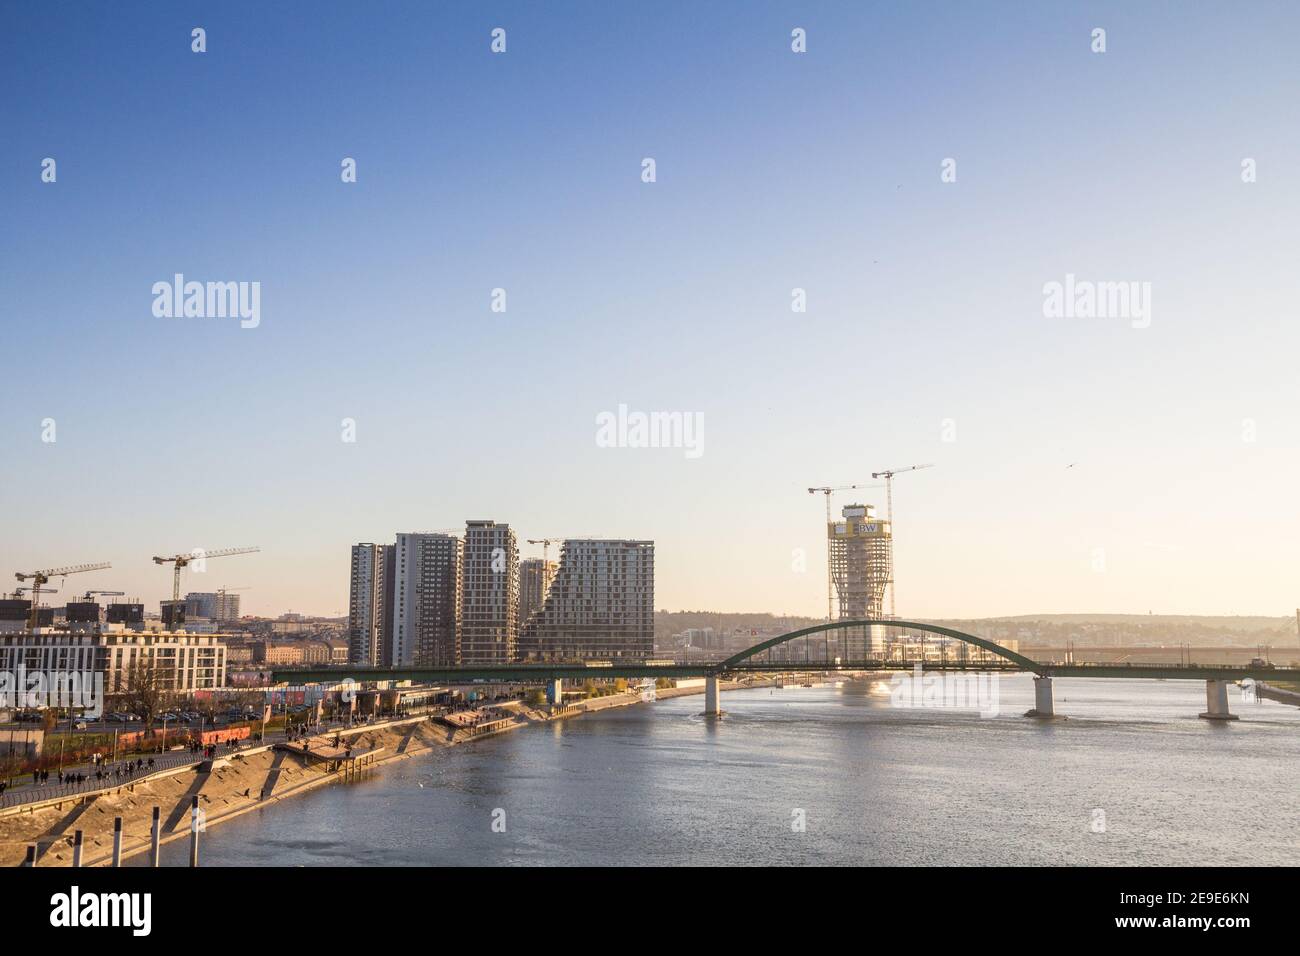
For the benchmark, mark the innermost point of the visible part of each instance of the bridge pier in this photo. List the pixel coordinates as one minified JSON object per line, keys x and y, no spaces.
{"x":1042,"y":698}
{"x":555,"y":691}
{"x":1216,"y":701}
{"x":712,"y":689}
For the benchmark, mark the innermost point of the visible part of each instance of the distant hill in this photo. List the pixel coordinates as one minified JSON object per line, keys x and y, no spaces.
{"x":680,"y":620}
{"x":1221,"y":623}
{"x":1194,"y":630}
{"x":1041,"y":629}
{"x":668,"y":623}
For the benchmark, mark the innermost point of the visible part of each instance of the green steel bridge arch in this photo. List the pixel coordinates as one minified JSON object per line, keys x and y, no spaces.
{"x":737,"y":660}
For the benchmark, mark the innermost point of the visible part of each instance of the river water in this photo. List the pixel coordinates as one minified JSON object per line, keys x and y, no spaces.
{"x":1130,"y":777}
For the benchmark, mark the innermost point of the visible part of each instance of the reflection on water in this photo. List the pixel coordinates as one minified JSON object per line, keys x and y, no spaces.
{"x":658,"y":784}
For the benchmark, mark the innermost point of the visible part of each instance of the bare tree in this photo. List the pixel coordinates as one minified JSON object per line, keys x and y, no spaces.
{"x":208,"y":707}
{"x":148,"y":690}
{"x":248,"y":703}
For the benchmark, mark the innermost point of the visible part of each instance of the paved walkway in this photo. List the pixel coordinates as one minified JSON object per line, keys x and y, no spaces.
{"x":24,"y":791}
{"x":35,"y":793}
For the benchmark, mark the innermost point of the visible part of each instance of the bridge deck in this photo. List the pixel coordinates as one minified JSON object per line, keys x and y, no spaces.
{"x":995,"y":658}
{"x":540,"y":673}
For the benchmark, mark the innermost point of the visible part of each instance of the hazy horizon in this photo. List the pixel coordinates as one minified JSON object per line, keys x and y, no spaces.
{"x":1128,"y":464}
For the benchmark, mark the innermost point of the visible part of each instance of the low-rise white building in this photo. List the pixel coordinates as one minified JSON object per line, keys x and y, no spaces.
{"x":182,"y":662}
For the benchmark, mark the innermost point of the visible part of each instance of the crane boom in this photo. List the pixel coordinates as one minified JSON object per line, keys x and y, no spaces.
{"x":198,"y":554}
{"x":546,"y":546}
{"x":39,"y":578}
{"x":61,"y":572}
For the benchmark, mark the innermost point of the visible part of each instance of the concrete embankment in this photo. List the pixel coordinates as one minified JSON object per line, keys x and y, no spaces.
{"x":667,"y":693}
{"x":246,"y":781}
{"x":239,"y":783}
{"x":1279,"y":694}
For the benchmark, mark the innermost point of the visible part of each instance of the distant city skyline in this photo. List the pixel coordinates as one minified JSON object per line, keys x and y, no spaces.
{"x":942,"y":234}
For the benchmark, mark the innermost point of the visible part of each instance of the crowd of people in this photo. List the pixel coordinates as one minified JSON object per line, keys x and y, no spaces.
{"x":105,"y":770}
{"x":101,"y":771}
{"x":210,"y":751}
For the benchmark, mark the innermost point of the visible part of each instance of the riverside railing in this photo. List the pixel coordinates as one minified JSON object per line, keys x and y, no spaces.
{"x":39,"y":793}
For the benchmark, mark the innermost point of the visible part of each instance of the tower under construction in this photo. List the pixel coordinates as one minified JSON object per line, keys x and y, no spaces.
{"x":861,"y":555}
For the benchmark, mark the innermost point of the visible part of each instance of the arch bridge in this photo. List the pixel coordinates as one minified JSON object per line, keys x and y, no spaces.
{"x":736,"y":661}
{"x":761,"y":659}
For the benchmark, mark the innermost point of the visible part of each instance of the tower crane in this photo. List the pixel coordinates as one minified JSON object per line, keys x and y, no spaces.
{"x":828,"y":492}
{"x":546,"y":545}
{"x":40,"y":578}
{"x":889,"y":510}
{"x":90,"y":595}
{"x":183,"y":560}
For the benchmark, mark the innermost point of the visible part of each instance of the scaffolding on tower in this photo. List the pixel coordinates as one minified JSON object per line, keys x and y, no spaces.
{"x":861,"y":555}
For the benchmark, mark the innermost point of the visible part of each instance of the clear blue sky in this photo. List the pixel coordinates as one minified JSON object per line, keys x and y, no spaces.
{"x":775,"y":171}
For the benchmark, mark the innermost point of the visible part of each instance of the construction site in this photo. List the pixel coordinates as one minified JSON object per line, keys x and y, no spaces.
{"x":860,"y":571}
{"x":19,"y":612}
{"x":860,"y":549}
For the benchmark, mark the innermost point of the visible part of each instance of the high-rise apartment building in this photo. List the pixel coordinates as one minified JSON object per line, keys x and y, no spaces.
{"x":535,"y":577}
{"x":426,"y":617}
{"x":599,"y":607}
{"x":219,"y":606}
{"x":489,"y":606}
{"x":369,"y":600}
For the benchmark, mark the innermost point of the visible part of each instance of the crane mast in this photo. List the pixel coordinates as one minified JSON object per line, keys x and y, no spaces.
{"x":828,"y":491}
{"x":546,"y":546}
{"x":889,"y":514}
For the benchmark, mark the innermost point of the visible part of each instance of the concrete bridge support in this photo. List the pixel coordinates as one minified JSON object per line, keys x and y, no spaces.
{"x":1042,"y":698}
{"x":555,"y":691}
{"x":1216,"y":701}
{"x":712,"y":693}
